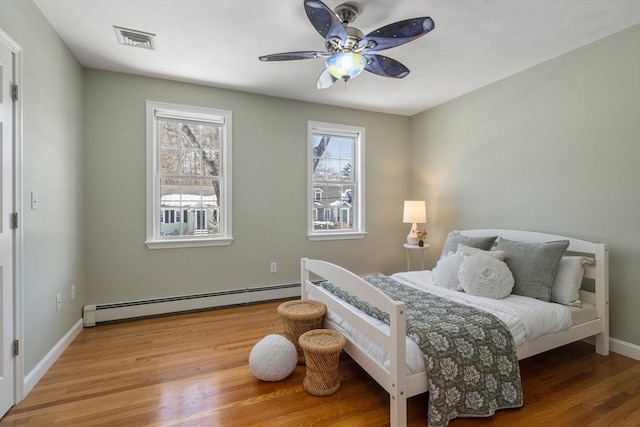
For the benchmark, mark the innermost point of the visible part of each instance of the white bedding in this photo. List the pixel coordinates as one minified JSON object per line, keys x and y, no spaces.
{"x":526,"y":318}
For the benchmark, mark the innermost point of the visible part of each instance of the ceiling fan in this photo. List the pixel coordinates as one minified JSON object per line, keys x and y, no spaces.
{"x":348,"y":50}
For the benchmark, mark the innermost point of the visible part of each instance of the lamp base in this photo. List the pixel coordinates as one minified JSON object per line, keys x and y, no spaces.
{"x":412,"y":239}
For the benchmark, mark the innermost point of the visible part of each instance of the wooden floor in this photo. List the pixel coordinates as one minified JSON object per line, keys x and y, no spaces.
{"x":192,"y":370}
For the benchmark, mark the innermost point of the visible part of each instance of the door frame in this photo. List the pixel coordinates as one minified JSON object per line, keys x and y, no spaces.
{"x":18,"y":320}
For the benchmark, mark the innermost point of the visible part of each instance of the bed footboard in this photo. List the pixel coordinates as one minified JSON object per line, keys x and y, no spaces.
{"x":393,"y":380}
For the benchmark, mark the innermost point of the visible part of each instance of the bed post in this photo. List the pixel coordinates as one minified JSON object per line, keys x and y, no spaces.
{"x":304,"y":277}
{"x":602,"y":297}
{"x":398,"y":366}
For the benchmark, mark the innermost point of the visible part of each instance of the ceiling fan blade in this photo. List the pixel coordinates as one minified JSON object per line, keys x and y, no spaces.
{"x":290,"y":56}
{"x":384,"y":66}
{"x":396,"y":34}
{"x":325,"y":20}
{"x":326,"y":80}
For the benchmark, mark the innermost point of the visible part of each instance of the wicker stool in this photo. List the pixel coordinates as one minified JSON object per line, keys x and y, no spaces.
{"x":322,"y":349}
{"x":298,"y":317}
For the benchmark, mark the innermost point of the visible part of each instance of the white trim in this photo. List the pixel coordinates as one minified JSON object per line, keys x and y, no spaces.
{"x":359,"y":203}
{"x":336,"y":236}
{"x":50,"y":358}
{"x":187,"y":243}
{"x":625,"y":348}
{"x":18,"y":266}
{"x":100,"y":313}
{"x":210,"y":115}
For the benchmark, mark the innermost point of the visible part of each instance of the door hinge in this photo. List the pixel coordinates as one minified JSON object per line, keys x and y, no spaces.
{"x":14,"y":92}
{"x":16,"y":348}
{"x":14,"y":220}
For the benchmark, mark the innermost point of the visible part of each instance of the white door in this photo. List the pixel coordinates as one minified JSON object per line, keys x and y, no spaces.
{"x":7,"y":233}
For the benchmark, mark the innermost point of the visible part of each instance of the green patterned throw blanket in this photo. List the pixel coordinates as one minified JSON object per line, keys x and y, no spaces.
{"x":470,"y":355}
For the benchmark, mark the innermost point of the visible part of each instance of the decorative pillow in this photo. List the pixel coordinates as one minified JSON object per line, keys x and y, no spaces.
{"x":569,"y":279}
{"x":486,"y":277}
{"x":445,"y":273}
{"x":533,"y":265}
{"x":455,"y":238}
{"x":465,"y":250}
{"x":273,"y":358}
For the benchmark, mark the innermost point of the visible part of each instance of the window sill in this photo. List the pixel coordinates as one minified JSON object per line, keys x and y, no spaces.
{"x":187,"y":243}
{"x":336,"y":236}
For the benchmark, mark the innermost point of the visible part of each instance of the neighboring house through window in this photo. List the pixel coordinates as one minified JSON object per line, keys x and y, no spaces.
{"x":188,"y":176}
{"x":336,"y":181}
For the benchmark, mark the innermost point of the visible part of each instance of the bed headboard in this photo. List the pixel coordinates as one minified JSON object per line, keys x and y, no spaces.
{"x":599,"y":272}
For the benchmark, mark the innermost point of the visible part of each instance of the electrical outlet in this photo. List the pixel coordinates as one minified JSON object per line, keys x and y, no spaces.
{"x":73,"y":291}
{"x":58,"y":302}
{"x":274,"y":267}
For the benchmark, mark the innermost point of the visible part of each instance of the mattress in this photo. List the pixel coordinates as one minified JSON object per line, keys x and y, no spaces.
{"x":526,"y":318}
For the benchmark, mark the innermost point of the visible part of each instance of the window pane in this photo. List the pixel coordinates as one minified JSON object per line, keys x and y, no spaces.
{"x":346,"y":171}
{"x":320,"y":143}
{"x":200,"y":199}
{"x":346,"y":147}
{"x":333,"y":158}
{"x":211,"y":160}
{"x":210,"y":197}
{"x":169,"y":138}
{"x":169,"y":200}
{"x":192,"y":163}
{"x":169,"y":134}
{"x":189,"y":148}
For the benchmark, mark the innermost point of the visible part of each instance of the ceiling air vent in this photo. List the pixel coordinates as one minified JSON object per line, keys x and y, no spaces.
{"x":135,"y":38}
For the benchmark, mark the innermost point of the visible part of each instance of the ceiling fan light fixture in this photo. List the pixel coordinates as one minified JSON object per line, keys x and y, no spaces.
{"x":345,"y":65}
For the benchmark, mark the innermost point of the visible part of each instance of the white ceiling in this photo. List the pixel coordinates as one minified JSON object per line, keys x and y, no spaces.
{"x":217,"y":43}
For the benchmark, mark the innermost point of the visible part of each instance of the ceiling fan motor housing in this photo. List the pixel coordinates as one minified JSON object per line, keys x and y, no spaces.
{"x":354,"y":36}
{"x":347,"y":13}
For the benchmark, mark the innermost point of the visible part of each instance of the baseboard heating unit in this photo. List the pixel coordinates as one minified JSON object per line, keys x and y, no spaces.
{"x":103,"y":313}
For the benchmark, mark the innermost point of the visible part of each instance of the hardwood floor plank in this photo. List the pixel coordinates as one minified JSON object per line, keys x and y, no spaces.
{"x":192,"y":370}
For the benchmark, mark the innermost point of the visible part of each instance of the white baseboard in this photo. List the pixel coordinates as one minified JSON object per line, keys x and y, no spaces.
{"x":100,"y":313}
{"x":36,"y":374}
{"x":620,"y":347}
{"x":624,"y":348}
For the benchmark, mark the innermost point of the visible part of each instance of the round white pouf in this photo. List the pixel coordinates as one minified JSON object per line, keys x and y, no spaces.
{"x":273,"y":358}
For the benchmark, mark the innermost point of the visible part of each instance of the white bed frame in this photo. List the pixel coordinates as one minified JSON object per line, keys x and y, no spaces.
{"x":395,"y":380}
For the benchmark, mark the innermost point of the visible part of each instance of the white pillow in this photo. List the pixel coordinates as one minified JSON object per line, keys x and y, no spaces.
{"x":445,"y":273}
{"x":468,"y":251}
{"x":485,"y":276}
{"x":568,"y":280}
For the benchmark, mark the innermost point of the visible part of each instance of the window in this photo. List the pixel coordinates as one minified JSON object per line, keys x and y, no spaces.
{"x":336,"y":181}
{"x":188,"y":176}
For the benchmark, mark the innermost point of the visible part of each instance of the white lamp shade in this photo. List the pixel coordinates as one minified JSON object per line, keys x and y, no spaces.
{"x":415,"y":212}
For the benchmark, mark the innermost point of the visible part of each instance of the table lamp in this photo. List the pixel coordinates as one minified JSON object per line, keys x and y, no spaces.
{"x":415,"y":212}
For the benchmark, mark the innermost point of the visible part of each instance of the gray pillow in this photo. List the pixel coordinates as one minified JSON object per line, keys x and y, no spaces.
{"x":533,"y":265}
{"x":454,"y":239}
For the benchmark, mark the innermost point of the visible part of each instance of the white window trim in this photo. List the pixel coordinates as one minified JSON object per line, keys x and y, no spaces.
{"x":153,"y":190}
{"x":359,"y":211}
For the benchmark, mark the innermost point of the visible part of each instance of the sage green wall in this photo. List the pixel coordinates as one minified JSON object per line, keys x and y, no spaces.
{"x":269,"y":192}
{"x":52,"y":167}
{"x":555,"y":148}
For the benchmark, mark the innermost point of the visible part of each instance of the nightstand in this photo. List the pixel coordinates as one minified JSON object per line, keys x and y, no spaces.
{"x":410,"y":248}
